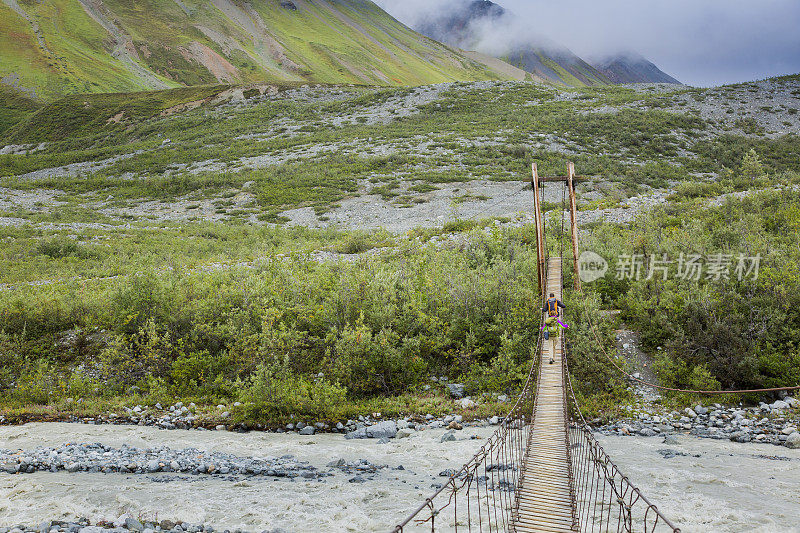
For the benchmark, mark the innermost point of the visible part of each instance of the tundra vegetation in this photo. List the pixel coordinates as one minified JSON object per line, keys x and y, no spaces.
{"x":103,"y":305}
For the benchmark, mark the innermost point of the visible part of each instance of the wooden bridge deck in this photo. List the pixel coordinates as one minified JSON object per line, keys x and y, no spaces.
{"x":545,"y":496}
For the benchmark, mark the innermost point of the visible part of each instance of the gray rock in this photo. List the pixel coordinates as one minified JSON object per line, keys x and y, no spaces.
{"x":448,"y":437}
{"x":647,"y":432}
{"x":793,"y":441}
{"x":669,"y":439}
{"x":456,"y":390}
{"x":133,"y":524}
{"x":308,"y":430}
{"x":153,"y":466}
{"x":467,"y":403}
{"x":360,"y":433}
{"x":387,"y":429}
{"x":404,"y":433}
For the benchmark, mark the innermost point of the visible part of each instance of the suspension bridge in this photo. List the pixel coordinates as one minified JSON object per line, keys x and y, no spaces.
{"x":542,"y":470}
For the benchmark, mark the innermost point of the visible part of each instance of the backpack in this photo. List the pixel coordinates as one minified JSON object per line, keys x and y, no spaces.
{"x":552,"y":307}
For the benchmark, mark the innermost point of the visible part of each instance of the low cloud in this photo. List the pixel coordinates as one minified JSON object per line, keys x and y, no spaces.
{"x":705,"y":42}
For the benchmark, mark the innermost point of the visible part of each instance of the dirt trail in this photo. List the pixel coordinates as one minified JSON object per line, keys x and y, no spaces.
{"x":628,"y":346}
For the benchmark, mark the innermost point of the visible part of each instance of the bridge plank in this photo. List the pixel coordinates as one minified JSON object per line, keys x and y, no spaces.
{"x":545,"y":497}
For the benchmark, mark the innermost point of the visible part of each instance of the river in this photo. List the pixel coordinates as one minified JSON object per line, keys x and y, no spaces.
{"x":729,"y":487}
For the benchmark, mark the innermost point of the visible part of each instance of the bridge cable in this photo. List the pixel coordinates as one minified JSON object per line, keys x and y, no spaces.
{"x":661,"y":387}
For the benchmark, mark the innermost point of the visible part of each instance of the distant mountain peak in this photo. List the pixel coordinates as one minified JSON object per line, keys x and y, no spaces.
{"x":485,"y":8}
{"x":631,"y":67}
{"x":490,"y":29}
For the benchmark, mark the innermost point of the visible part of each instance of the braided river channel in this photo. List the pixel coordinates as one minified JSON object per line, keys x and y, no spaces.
{"x":359,"y":485}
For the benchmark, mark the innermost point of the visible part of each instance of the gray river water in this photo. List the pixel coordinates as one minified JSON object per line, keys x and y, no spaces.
{"x":729,"y":487}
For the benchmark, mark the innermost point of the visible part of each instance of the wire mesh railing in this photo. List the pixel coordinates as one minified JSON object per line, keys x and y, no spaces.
{"x":482,"y":495}
{"x":605,"y":499}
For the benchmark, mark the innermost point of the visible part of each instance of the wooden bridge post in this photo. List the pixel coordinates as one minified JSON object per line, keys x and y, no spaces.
{"x":539,"y":228}
{"x":573,"y":222}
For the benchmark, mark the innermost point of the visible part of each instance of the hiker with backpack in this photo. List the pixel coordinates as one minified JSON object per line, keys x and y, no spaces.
{"x":551,"y":322}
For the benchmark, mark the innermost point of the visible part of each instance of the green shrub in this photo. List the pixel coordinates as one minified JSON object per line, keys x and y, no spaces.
{"x":507,"y":371}
{"x":37,"y":384}
{"x":198,"y":372}
{"x":697,"y":189}
{"x":130,"y":358}
{"x":368,"y":363}
{"x":274,"y":391}
{"x":59,"y":247}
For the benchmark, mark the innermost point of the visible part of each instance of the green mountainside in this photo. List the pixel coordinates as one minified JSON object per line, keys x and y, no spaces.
{"x":14,"y":107}
{"x":91,"y":46}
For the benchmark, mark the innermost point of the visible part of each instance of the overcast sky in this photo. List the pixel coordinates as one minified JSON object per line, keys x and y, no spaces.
{"x":699,"y":42}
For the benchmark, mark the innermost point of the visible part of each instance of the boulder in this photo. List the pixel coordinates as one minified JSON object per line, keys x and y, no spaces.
{"x":793,"y":441}
{"x":307,"y":430}
{"x":448,"y":437}
{"x":466,"y":403}
{"x":133,"y":524}
{"x":404,"y":433}
{"x":387,"y":429}
{"x":456,"y":390}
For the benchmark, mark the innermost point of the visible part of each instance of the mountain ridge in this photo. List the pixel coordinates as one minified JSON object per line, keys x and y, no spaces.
{"x":92,"y":46}
{"x":631,"y":67}
{"x":488,"y":28}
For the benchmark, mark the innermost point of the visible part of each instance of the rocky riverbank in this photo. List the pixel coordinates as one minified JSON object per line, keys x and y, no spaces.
{"x":96,"y":457}
{"x":123,"y":524}
{"x":775,"y":423}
